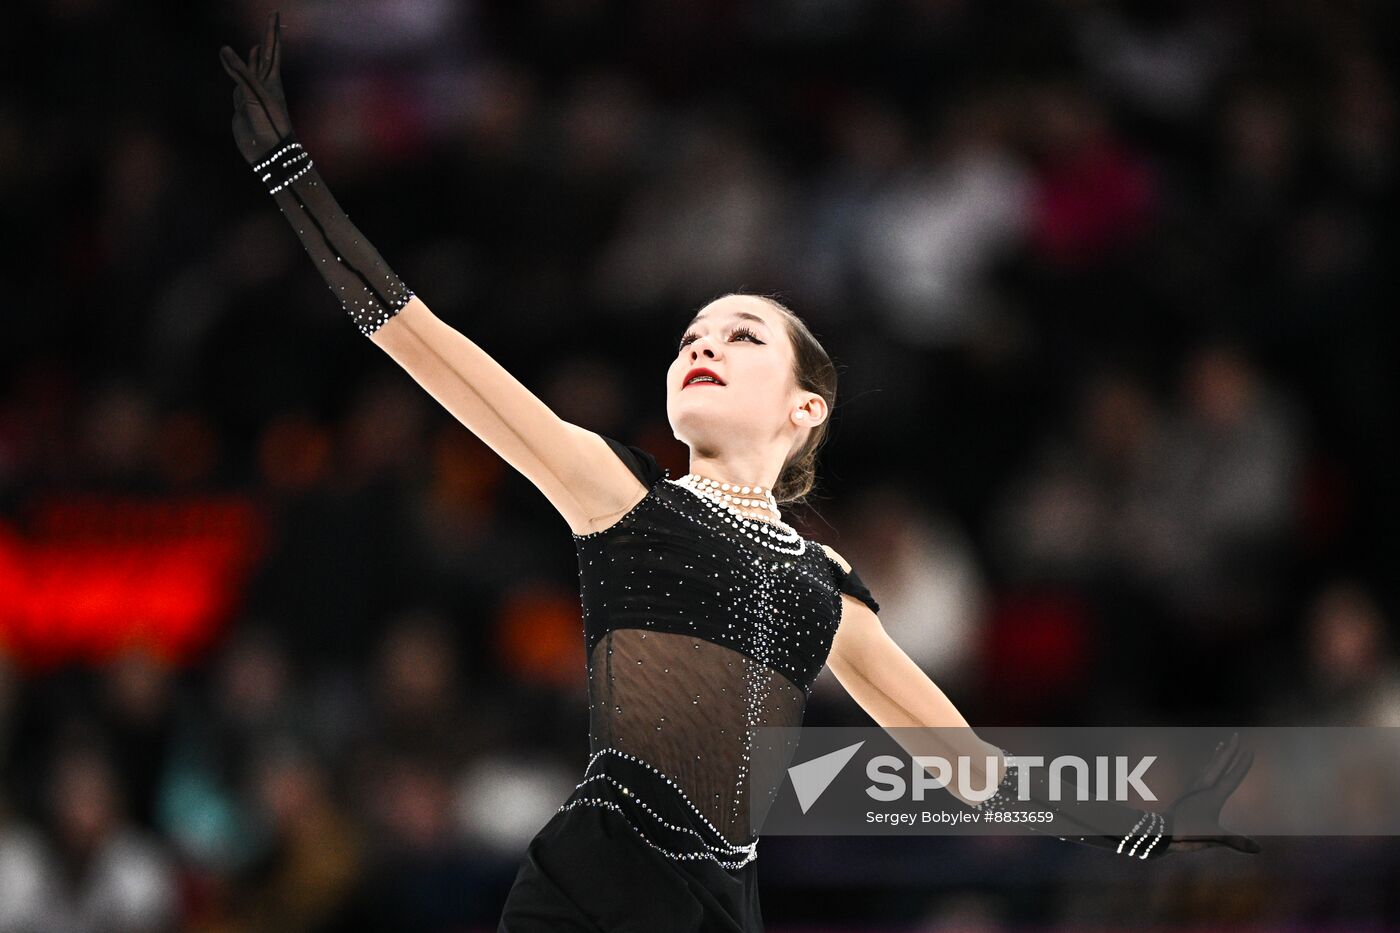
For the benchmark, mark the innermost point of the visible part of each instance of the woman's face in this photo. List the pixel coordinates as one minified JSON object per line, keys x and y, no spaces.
{"x":743,"y":341}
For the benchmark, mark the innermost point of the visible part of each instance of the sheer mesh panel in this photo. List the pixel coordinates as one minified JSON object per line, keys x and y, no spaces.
{"x":685,"y":705}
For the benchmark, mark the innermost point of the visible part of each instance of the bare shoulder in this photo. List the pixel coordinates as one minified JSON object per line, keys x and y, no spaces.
{"x":831,"y":552}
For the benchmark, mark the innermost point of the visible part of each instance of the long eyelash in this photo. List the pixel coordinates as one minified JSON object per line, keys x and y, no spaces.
{"x":740,"y":331}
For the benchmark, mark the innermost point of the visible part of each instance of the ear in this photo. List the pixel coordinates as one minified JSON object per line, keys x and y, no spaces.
{"x":813,"y":411}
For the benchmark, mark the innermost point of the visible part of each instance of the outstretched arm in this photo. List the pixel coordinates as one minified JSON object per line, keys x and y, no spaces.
{"x":573,"y":467}
{"x":895,"y":692}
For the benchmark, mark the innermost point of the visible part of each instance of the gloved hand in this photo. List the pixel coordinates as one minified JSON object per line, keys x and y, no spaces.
{"x":1195,"y":815}
{"x":1191,"y":822}
{"x":359,"y":278}
{"x":260,"y":119}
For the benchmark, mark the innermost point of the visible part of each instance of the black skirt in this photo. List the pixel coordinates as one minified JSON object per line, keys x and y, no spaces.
{"x":609,"y":863}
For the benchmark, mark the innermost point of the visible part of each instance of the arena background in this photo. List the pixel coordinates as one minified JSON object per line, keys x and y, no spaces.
{"x":286,"y":648}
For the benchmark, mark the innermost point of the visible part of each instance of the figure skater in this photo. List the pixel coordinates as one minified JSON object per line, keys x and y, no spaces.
{"x":705,"y":615}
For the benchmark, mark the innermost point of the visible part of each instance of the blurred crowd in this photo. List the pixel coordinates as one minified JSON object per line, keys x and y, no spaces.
{"x":1106,"y":283}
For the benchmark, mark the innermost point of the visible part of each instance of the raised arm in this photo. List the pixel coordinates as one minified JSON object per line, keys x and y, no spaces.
{"x":896,"y":692}
{"x":573,"y":467}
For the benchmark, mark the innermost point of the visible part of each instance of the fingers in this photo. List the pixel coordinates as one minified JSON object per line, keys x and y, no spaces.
{"x":272,"y":48}
{"x":226,"y":56}
{"x":235,"y":67}
{"x":1220,"y":762}
{"x":1223,"y":770}
{"x":276,"y":44}
{"x":247,"y":91}
{"x":1231,"y":746}
{"x":1236,"y":772}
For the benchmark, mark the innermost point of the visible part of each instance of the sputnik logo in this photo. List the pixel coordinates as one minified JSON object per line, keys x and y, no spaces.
{"x":811,"y":778}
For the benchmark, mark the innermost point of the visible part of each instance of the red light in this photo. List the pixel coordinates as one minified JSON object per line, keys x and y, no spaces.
{"x":98,"y":576}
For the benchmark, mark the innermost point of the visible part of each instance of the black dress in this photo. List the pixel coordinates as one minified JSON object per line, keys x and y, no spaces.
{"x":699,"y":627}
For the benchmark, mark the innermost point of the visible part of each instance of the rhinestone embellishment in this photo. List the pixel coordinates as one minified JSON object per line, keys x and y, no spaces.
{"x":734,"y":855}
{"x":701,"y":626}
{"x":1155,"y":822}
{"x":777,"y":534}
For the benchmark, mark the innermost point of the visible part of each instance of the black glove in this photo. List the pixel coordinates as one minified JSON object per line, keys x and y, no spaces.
{"x":1196,"y":813}
{"x":367,"y":288}
{"x":1191,"y":822}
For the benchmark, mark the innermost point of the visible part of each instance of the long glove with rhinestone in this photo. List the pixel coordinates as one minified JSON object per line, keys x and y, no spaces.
{"x":1127,"y":831}
{"x":367,"y":288}
{"x":1191,"y":822}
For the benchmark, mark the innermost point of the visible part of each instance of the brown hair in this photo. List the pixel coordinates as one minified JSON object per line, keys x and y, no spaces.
{"x":815,"y":372}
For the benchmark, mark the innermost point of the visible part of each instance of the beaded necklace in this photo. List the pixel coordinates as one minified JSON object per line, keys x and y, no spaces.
{"x":721,"y":497}
{"x":733,"y":493}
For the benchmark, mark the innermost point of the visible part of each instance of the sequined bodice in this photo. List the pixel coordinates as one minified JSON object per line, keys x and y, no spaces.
{"x":699,"y":628}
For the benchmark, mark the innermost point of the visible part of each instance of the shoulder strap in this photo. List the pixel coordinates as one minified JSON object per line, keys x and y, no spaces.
{"x":850,"y":582}
{"x":642,"y":464}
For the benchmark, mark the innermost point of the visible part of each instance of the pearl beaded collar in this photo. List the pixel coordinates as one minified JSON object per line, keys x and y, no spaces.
{"x":733,"y":493}
{"x":722,"y":497}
